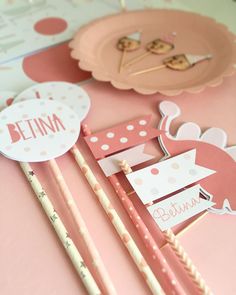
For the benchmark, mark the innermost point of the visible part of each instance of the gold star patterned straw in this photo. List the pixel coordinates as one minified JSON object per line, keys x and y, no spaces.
{"x":61,"y":231}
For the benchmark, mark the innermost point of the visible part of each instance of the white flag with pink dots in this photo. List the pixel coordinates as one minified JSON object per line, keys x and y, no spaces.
{"x":163,"y":178}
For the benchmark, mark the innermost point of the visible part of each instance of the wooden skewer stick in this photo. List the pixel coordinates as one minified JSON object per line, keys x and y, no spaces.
{"x":137,"y":58}
{"x":122,"y":60}
{"x":179,"y":251}
{"x":148,"y":70}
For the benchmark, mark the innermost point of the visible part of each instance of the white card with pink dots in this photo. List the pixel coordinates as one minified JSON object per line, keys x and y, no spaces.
{"x":37,"y":130}
{"x":165,"y":177}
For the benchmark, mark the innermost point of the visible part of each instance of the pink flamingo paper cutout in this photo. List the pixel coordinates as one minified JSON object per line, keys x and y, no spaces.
{"x":212,"y":153}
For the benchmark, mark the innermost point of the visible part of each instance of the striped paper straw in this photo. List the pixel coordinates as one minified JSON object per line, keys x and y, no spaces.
{"x":61,"y":231}
{"x":118,"y":224}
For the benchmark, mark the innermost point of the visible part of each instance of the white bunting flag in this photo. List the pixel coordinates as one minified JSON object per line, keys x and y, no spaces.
{"x":179,"y":208}
{"x":134,"y":156}
{"x":163,"y":178}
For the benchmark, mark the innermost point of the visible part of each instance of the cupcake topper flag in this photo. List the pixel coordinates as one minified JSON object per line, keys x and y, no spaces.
{"x":127,"y":44}
{"x":180,"y":62}
{"x":158,"y":46}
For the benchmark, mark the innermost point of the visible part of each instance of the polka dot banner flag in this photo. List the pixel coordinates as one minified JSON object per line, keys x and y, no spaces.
{"x":121,"y":137}
{"x":158,"y":180}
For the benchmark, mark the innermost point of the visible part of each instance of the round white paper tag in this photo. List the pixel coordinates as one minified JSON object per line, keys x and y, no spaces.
{"x":67,"y":93}
{"x":37,"y":130}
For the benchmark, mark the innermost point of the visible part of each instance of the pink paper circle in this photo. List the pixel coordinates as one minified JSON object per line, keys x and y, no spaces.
{"x":50,"y":26}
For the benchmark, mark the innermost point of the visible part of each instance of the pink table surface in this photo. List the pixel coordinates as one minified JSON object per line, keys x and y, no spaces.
{"x":32,"y":261}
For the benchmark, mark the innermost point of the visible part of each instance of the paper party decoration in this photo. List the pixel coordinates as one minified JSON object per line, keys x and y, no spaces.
{"x":67,"y":93}
{"x":77,"y":99}
{"x":120,"y":228}
{"x":127,"y":44}
{"x":37,"y":130}
{"x":180,"y":62}
{"x":212,"y":152}
{"x":179,"y":207}
{"x":121,"y":137}
{"x":165,"y":177}
{"x":136,"y":155}
{"x":157,"y":46}
{"x":175,"y":246}
{"x":156,"y":254}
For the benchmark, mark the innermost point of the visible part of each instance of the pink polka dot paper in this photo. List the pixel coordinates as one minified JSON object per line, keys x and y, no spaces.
{"x":121,"y":137}
{"x":37,"y":130}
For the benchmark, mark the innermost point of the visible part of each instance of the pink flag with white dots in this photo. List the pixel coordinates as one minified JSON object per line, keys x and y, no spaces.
{"x":121,"y":137}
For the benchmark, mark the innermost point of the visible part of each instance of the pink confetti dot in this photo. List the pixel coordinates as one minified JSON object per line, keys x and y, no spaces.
{"x":84,"y":169}
{"x":110,"y":215}
{"x":154,"y":171}
{"x":143,"y":263}
{"x":96,"y":187}
{"x":50,"y":26}
{"x":138,"y":181}
{"x":126,"y":238}
{"x":175,"y":166}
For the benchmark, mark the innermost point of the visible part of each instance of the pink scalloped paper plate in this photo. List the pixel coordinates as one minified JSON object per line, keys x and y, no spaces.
{"x":94,"y":46}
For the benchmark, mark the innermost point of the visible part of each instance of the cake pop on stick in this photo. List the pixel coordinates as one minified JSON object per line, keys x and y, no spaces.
{"x":180,"y":62}
{"x":127,"y":44}
{"x":158,"y":46}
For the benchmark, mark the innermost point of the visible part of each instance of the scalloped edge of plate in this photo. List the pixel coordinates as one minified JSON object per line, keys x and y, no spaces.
{"x":100,"y":74}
